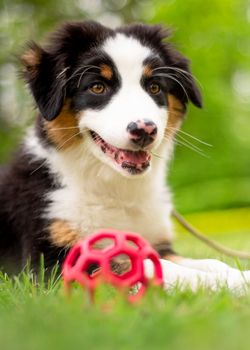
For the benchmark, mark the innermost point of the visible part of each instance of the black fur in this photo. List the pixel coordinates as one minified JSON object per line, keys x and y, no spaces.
{"x":22,"y":197}
{"x":51,"y":76}
{"x":78,"y":90}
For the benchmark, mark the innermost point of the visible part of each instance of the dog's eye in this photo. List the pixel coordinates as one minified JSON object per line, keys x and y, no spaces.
{"x":154,"y":88}
{"x":97,"y":88}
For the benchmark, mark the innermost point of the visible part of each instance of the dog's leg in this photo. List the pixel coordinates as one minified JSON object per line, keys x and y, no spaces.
{"x":207,"y":265}
{"x":215,"y":266}
{"x":193,"y":273}
{"x":176,"y":275}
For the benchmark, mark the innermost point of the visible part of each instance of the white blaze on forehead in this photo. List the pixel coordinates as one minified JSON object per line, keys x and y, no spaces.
{"x":128,"y":54}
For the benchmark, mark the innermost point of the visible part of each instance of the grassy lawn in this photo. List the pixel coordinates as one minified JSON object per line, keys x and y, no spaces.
{"x":34,"y":317}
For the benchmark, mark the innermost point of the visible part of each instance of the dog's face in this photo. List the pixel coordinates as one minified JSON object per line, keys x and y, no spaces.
{"x":120,"y":92}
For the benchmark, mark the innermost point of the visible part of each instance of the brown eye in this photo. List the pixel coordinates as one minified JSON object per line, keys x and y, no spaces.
{"x":154,"y":88}
{"x":97,"y":88}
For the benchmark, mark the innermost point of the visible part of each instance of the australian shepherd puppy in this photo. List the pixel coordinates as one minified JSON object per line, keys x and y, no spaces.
{"x":109,"y":104}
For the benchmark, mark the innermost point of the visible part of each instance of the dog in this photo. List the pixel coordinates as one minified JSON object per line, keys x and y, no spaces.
{"x":109,"y":105}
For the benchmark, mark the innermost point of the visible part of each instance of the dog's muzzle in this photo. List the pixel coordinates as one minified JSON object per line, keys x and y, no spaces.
{"x":142,"y":132}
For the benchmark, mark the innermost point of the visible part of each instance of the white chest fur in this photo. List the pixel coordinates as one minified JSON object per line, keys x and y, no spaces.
{"x":93,"y":196}
{"x":91,"y":209}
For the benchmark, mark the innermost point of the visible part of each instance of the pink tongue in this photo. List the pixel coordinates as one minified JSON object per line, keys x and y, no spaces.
{"x":136,"y":158}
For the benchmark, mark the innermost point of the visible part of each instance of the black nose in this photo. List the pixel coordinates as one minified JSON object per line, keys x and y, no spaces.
{"x":142,"y":132}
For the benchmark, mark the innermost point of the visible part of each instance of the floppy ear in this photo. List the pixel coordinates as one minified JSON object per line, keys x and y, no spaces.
{"x":183,"y":85}
{"x":44,"y":75}
{"x":47,"y":70}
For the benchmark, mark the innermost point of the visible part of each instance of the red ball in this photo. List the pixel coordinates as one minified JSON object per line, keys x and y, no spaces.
{"x":85,"y":254}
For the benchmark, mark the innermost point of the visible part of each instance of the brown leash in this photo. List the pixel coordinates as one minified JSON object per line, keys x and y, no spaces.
{"x":211,"y":243}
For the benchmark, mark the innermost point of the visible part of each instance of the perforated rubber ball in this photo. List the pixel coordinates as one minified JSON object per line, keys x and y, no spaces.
{"x":95,"y":260}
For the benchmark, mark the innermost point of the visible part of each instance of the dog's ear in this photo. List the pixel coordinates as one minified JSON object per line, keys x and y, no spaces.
{"x":47,"y":70}
{"x":45,"y":77}
{"x":183,"y":85}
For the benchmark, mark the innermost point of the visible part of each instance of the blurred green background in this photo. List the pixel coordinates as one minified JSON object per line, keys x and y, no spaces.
{"x":214,"y":34}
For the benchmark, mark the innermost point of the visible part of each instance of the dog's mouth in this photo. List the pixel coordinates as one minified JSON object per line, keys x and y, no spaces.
{"x":134,"y":162}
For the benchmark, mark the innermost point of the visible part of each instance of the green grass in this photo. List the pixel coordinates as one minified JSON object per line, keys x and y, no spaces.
{"x":34,"y":316}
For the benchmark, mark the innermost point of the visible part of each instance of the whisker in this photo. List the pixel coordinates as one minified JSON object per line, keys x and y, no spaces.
{"x":40,"y":166}
{"x":76,"y":72}
{"x":173,"y":68}
{"x":178,"y":142}
{"x":73,"y":75}
{"x":81,"y":75}
{"x":86,"y":72}
{"x":191,"y":136}
{"x":100,"y":170}
{"x":62,"y":72}
{"x":45,"y":161}
{"x":181,"y":71}
{"x":156,"y":155}
{"x":184,"y":142}
{"x":189,"y":143}
{"x":178,"y":75}
{"x":196,"y":139}
{"x":167,"y":138}
{"x":177,"y":81}
{"x":65,"y":128}
{"x":70,"y":138}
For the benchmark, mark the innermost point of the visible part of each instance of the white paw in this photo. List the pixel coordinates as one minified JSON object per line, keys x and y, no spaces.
{"x":176,"y":275}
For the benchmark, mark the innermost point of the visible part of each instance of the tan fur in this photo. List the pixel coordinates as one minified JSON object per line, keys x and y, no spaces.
{"x":176,"y":111}
{"x":106,"y":71}
{"x":31,"y":59}
{"x":174,"y":258}
{"x":63,"y":131}
{"x":147,"y":72}
{"x":62,"y":235}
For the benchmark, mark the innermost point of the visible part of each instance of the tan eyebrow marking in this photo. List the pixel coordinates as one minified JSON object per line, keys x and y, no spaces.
{"x":106,"y":71}
{"x":147,"y":71}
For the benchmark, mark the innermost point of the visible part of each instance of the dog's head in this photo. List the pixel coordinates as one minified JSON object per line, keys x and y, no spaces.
{"x":122,"y":92}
